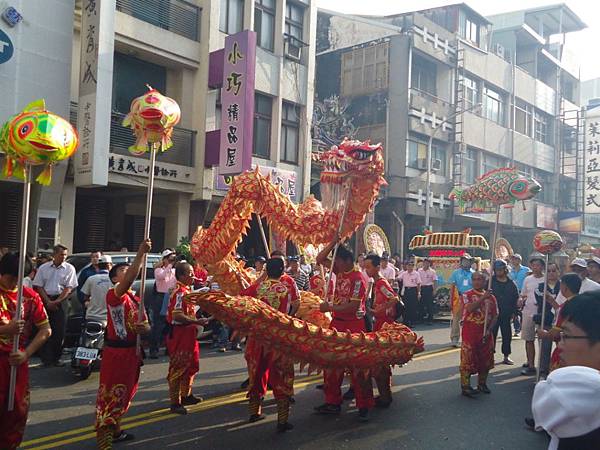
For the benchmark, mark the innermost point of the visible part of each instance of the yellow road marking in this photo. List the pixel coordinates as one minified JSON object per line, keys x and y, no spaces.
{"x":84,"y":433}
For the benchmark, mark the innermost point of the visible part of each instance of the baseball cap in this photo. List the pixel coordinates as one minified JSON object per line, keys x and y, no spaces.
{"x":105,"y":259}
{"x":466,"y":256}
{"x":579,"y":262}
{"x":594,"y":259}
{"x":517,"y":256}
{"x":499,"y":264}
{"x":167,"y":252}
{"x":261,"y":259}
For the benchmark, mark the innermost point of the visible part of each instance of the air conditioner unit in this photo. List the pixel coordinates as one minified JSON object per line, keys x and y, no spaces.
{"x":499,"y":50}
{"x":436,"y":165}
{"x":291,"y":50}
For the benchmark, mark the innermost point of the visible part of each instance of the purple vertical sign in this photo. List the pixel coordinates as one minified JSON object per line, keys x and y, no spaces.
{"x":237,"y":100}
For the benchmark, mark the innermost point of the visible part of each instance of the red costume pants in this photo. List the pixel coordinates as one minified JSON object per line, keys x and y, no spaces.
{"x":12,"y":424}
{"x":363,"y":389}
{"x":264,"y":368}
{"x":184,"y":361}
{"x":119,"y":374}
{"x":476,"y":356}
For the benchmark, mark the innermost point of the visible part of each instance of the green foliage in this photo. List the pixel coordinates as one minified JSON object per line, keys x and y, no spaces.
{"x":184,"y":249}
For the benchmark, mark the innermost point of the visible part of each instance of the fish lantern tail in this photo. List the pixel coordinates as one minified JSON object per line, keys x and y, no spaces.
{"x":13,"y":168}
{"x":45,"y":177}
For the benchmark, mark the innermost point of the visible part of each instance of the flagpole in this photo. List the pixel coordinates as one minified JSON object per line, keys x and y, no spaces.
{"x":539,"y":365}
{"x":492,"y":260}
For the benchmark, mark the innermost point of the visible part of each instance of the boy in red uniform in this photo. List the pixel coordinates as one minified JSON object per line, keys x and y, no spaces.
{"x":12,"y":424}
{"x":121,"y":362}
{"x":262,"y":366}
{"x":348,"y":309}
{"x":477,"y":349}
{"x":184,"y":352}
{"x":384,"y":311}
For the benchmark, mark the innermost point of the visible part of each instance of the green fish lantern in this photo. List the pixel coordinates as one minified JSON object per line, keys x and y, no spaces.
{"x":38,"y":137}
{"x":497,"y":187}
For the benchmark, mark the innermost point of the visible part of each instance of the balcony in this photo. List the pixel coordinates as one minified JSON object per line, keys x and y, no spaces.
{"x":178,"y":16}
{"x":121,"y":138}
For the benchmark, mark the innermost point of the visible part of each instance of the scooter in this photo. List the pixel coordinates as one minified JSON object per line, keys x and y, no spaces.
{"x":88,"y":353}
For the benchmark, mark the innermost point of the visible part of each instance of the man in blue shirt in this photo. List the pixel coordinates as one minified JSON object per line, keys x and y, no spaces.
{"x":461,"y":279}
{"x":518,"y":273}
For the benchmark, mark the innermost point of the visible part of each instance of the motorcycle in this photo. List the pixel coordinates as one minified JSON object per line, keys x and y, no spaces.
{"x":88,"y":353}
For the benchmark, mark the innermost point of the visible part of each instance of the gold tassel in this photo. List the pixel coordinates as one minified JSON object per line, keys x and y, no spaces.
{"x":283,"y":410}
{"x":104,"y":437}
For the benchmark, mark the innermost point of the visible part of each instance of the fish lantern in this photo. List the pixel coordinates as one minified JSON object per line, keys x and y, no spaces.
{"x":38,"y":137}
{"x":498,"y":187}
{"x":547,"y":242}
{"x":152,"y":117}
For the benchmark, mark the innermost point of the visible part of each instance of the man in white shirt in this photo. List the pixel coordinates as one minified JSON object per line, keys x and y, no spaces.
{"x":388,"y":271}
{"x":579,"y":266}
{"x":95,"y":289}
{"x":529,"y":304}
{"x":54,"y":281}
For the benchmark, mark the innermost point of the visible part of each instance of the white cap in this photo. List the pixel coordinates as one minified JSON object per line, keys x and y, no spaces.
{"x":566,"y":404}
{"x":594,"y":259}
{"x":579,"y":262}
{"x":105,"y":259}
{"x":167,"y":252}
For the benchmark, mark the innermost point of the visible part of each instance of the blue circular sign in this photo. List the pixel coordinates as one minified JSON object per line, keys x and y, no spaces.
{"x":6,"y":47}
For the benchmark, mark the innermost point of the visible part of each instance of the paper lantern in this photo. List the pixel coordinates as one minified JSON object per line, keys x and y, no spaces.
{"x":547,"y":242}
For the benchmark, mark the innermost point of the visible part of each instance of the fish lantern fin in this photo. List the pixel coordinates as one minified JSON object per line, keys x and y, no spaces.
{"x":38,"y":105}
{"x":7,"y":170}
{"x":45,"y":177}
{"x":127,"y":120}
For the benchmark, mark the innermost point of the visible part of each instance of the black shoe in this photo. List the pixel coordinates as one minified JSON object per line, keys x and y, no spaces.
{"x":320,"y":386}
{"x":292,"y":400}
{"x":245,"y":384}
{"x":59,"y":364}
{"x":178,"y":409}
{"x":530,"y":423}
{"x":483,"y":388}
{"x":191,"y":400}
{"x":153,"y":355}
{"x":122,"y":437}
{"x":468,"y":391}
{"x":349,"y":394}
{"x":328,"y":408}
{"x":237,"y":348}
{"x":363,"y":414}
{"x":380,"y":403}
{"x":283,"y":427}
{"x":255,"y":418}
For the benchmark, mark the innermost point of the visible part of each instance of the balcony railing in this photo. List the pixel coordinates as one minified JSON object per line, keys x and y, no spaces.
{"x":121,"y":138}
{"x":178,"y":16}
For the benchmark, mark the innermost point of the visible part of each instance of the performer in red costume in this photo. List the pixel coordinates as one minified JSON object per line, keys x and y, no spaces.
{"x":12,"y":423}
{"x":348,"y":309}
{"x":184,"y":352}
{"x":384,"y":311}
{"x":263,"y":366}
{"x":121,"y":362}
{"x":477,"y":349}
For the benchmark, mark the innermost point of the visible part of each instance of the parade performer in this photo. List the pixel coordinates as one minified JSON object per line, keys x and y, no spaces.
{"x":317,"y":285}
{"x":461,"y":283}
{"x":12,"y":423}
{"x":121,"y":362}
{"x":477,"y":349}
{"x":184,"y":351}
{"x":348,"y":308}
{"x":384,"y":311}
{"x":263,"y":366}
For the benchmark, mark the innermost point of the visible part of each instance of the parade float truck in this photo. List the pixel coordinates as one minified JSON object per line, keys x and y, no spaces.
{"x":444,"y":250}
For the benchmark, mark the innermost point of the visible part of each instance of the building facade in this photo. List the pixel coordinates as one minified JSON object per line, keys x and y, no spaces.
{"x":489,"y":92}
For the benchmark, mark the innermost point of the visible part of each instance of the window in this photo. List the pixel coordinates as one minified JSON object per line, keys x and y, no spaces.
{"x":262,"y":126}
{"x":365,"y":70}
{"x":416,"y":151}
{"x":493,"y":105}
{"x":468,"y":28}
{"x":294,"y":20}
{"x":491,"y":162}
{"x":424,"y":75}
{"x":542,"y":128}
{"x":470,"y":166}
{"x":126,"y":80}
{"x":546,"y":179}
{"x":523,"y":113}
{"x":46,"y":232}
{"x":439,"y":152}
{"x":471,"y":92}
{"x":264,"y":23}
{"x":290,"y":133}
{"x":232,"y":16}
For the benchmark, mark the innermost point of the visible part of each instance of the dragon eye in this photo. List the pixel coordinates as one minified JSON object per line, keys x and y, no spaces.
{"x":25,"y":129}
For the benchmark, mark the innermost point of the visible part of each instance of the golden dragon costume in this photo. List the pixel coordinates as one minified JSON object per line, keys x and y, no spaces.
{"x":353,"y":174}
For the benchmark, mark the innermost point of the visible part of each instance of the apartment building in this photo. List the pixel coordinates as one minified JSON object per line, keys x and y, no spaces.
{"x":489,"y":92}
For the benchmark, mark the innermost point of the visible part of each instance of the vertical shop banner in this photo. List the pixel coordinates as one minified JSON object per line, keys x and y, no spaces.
{"x":592,"y":162}
{"x":95,"y":88}
{"x":237,"y":100}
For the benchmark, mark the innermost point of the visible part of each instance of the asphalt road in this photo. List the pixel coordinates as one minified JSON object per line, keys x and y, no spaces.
{"x":428,"y":411}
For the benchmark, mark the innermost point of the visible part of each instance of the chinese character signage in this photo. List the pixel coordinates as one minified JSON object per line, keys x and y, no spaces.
{"x":592,"y":162}
{"x":285,"y":179}
{"x":132,"y":166}
{"x":237,"y":100}
{"x":95,"y":88}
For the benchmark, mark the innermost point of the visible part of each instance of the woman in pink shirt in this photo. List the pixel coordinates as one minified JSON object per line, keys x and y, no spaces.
{"x":428,"y":282}
{"x":164,"y":281}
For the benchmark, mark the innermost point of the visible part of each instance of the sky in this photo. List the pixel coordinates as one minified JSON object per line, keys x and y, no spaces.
{"x":581,"y":43}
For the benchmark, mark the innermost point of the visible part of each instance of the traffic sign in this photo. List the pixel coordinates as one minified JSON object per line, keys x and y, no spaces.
{"x":6,"y":47}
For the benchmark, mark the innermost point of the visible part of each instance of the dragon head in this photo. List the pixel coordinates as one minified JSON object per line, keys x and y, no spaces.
{"x":351,"y":159}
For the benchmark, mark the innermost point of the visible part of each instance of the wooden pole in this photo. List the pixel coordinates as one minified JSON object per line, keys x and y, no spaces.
{"x":147,"y":221}
{"x":22,"y":259}
{"x":263,"y":236}
{"x":539,"y":365}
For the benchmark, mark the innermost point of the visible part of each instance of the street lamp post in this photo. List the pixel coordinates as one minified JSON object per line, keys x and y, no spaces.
{"x":429,"y":151}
